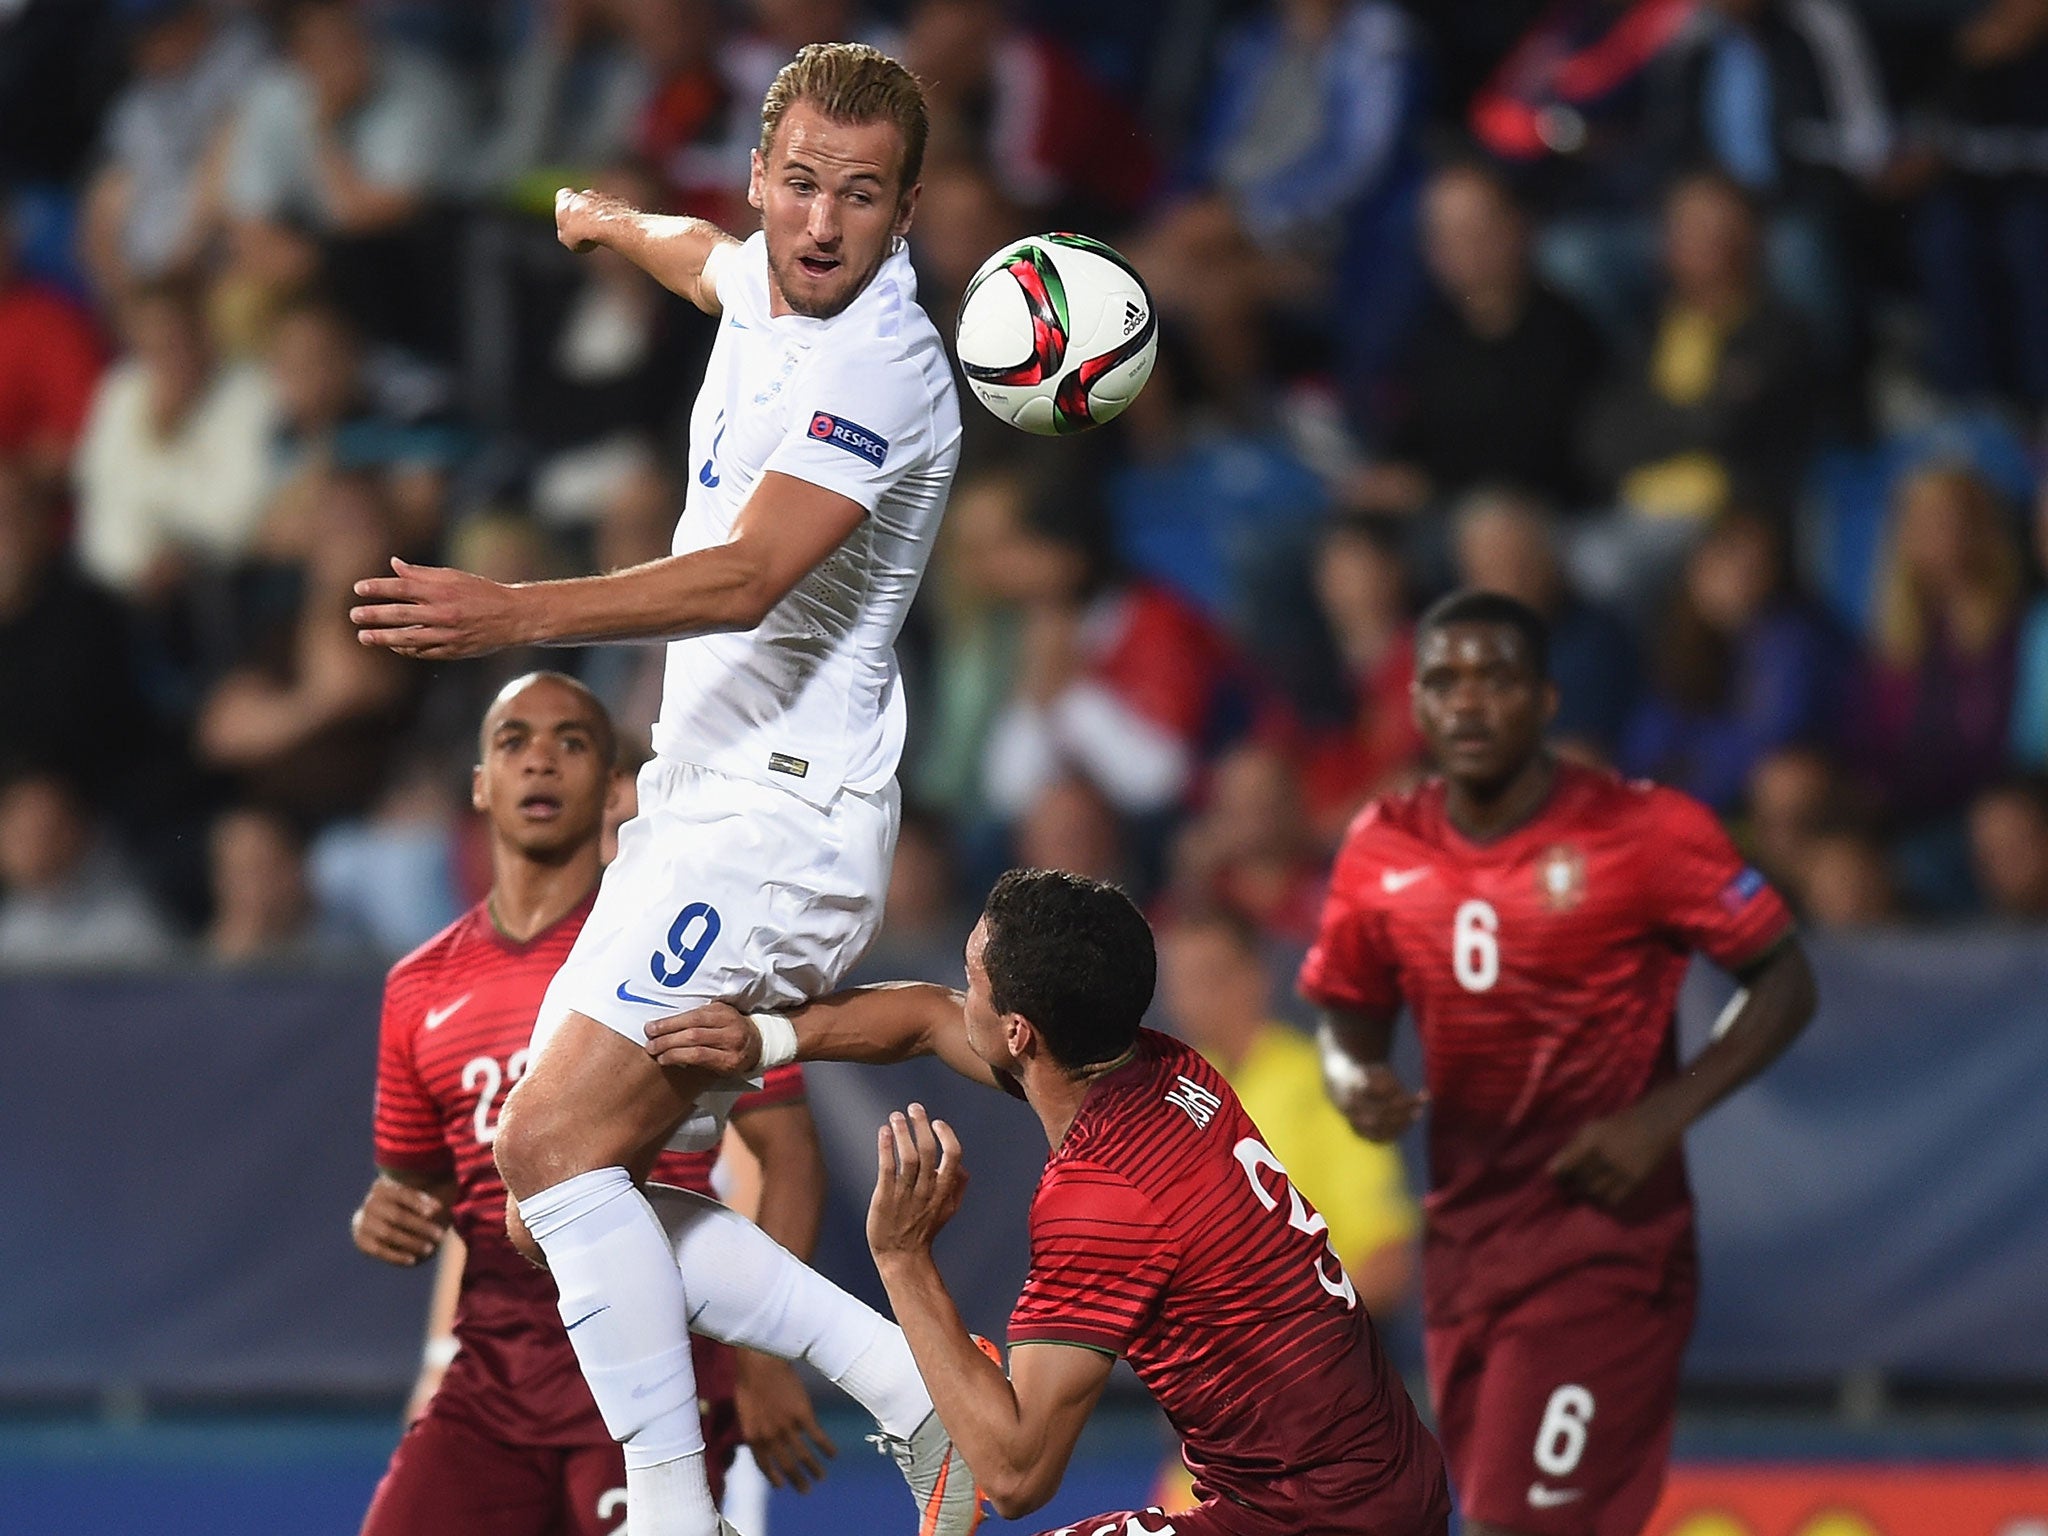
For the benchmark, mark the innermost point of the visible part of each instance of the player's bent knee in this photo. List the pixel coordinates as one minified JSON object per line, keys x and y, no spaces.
{"x":521,"y":1239}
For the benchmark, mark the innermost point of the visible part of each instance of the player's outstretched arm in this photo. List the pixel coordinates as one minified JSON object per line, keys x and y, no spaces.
{"x":786,"y":528}
{"x":1016,"y":1431}
{"x":879,"y":1024}
{"x":675,"y":252}
{"x":1606,"y":1161}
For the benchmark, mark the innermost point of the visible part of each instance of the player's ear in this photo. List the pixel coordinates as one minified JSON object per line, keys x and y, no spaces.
{"x":756,"y":172}
{"x":1550,"y":701}
{"x":906,"y":210}
{"x":476,"y":789}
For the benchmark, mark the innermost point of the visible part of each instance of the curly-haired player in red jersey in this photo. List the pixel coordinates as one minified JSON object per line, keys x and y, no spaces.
{"x":1537,"y":918}
{"x":1163,"y":1231}
{"x":506,"y":1440}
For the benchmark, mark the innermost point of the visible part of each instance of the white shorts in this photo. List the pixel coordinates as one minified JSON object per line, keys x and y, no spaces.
{"x":725,"y":890}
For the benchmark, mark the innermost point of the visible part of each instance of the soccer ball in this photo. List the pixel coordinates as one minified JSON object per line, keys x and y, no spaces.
{"x":1056,"y":334}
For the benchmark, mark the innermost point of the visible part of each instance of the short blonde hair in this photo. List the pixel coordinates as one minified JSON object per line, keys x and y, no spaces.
{"x":852,"y":83}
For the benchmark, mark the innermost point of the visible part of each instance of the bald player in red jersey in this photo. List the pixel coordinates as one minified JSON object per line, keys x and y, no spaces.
{"x":510,"y":1441}
{"x":1163,"y":1231}
{"x":1537,"y":919}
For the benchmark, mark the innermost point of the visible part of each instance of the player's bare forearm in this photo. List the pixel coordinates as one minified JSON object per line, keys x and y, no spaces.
{"x":1607,"y":1160}
{"x":785,"y":529}
{"x":672,"y":250}
{"x":1018,"y":1453}
{"x":1366,"y":1090}
{"x":887,"y":1022}
{"x":1364,"y":1037}
{"x":785,"y":1141}
{"x":1781,"y":997}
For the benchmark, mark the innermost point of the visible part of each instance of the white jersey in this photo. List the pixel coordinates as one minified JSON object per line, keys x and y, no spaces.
{"x":862,"y":404}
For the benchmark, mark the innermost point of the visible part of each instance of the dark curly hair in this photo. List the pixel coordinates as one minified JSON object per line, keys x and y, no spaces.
{"x":1073,"y":956}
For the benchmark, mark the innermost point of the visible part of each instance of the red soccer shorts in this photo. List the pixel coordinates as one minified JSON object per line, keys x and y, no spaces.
{"x":1556,"y":1414}
{"x":450,"y":1478}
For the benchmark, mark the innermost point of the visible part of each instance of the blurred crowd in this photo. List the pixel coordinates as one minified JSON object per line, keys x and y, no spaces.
{"x":1716,"y":330}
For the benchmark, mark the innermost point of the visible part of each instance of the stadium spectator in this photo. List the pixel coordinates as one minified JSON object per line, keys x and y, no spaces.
{"x":565,"y":104}
{"x":1508,"y":542}
{"x":1303,"y":187}
{"x":1249,"y":852}
{"x":1217,"y":992}
{"x":1793,"y":793}
{"x":1492,"y":383}
{"x":1717,"y":406}
{"x":152,"y":208}
{"x":307,"y":725}
{"x":394,"y":876}
{"x":341,"y":407}
{"x":1979,"y":148}
{"x":770,"y":36}
{"x":337,"y":150}
{"x":1226,"y":511}
{"x":49,"y":360}
{"x":174,"y":467}
{"x":1784,"y":96}
{"x":1057,"y":140}
{"x":1362,"y":585}
{"x":685,"y":118}
{"x":1071,"y":825}
{"x":1742,"y":667}
{"x":69,"y":900}
{"x":1931,"y":728}
{"x":1847,"y":881}
{"x":2030,"y":691}
{"x":1119,"y":681}
{"x":263,"y":912}
{"x":1576,"y":113}
{"x":69,"y":682}
{"x":2009,"y":849}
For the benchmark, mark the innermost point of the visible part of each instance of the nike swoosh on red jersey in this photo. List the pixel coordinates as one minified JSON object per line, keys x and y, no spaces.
{"x":1549,"y":1498}
{"x":436,"y":1017}
{"x":1394,"y":881}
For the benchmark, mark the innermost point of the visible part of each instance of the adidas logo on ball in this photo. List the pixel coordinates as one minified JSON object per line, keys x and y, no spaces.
{"x":1133,"y":317}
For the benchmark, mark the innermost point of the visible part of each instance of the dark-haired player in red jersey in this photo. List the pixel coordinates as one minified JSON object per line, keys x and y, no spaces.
{"x":1163,"y":1231}
{"x":510,"y":1441}
{"x":1537,"y":918}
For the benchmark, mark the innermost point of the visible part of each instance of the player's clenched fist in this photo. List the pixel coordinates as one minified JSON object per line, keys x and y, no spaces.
{"x":918,"y":1183}
{"x":397,"y":1223}
{"x":580,"y":216}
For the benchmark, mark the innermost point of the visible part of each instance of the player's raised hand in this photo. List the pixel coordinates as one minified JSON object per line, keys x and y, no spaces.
{"x":779,"y":1424}
{"x":717,"y":1037}
{"x":399,"y":1224}
{"x":580,"y":216}
{"x":1608,"y":1160}
{"x":1373,"y":1098}
{"x":435,"y":614}
{"x":919,"y":1180}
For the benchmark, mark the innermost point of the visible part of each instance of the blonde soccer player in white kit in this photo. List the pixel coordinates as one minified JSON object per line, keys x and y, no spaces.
{"x":822,"y":446}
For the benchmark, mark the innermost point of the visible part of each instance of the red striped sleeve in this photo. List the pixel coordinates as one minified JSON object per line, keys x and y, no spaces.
{"x":1707,"y":895}
{"x":1351,"y":965}
{"x":408,"y":1127}
{"x":1101,"y":1258}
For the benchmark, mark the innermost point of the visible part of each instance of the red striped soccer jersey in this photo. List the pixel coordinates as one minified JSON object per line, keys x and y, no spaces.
{"x":1165,"y":1231}
{"x":1542,"y":970}
{"x":458,"y":1013}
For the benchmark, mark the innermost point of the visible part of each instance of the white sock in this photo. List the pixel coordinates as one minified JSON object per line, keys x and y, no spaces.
{"x":624,"y":1304}
{"x":747,"y":1289}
